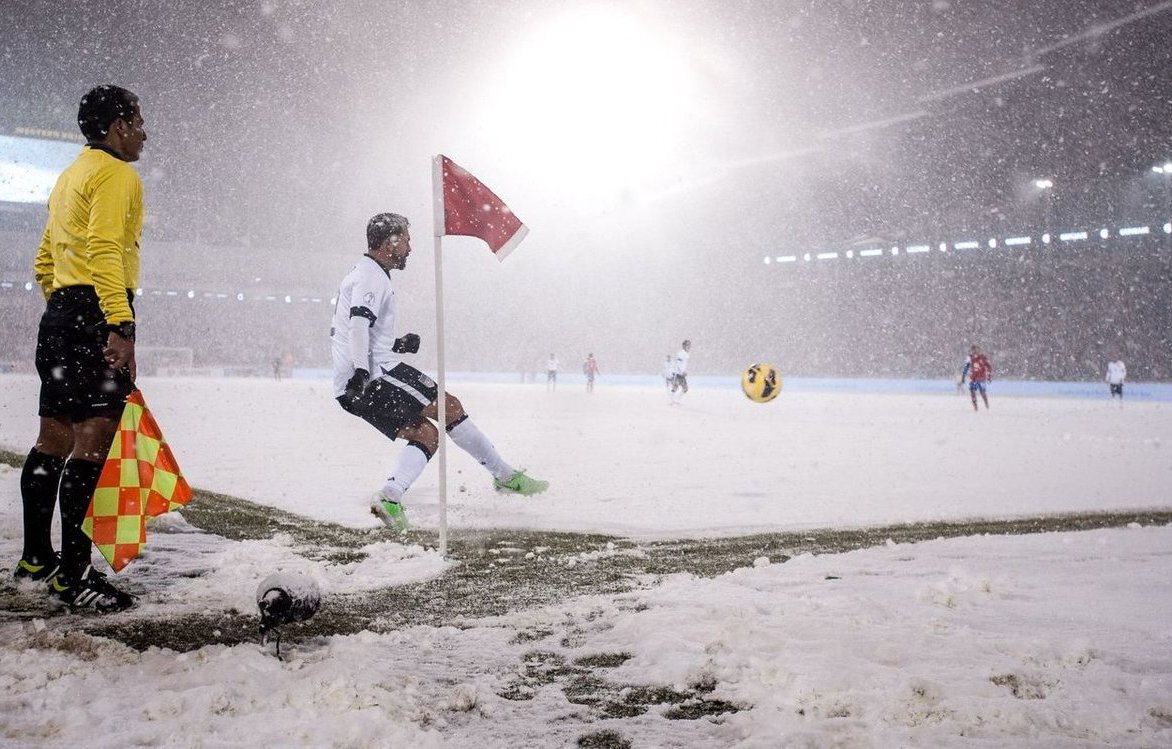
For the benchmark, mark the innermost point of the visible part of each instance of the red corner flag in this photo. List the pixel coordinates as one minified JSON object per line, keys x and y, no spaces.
{"x":472,"y":210}
{"x":140,"y":479}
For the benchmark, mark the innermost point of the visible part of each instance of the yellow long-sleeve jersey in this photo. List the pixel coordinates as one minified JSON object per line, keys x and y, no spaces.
{"x":92,"y":236}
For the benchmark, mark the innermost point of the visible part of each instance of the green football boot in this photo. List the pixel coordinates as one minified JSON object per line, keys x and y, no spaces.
{"x":390,"y":512}
{"x":521,"y":484}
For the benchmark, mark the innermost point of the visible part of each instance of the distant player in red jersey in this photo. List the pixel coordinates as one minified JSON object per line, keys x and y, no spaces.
{"x":979,"y":372}
{"x":590,"y":369}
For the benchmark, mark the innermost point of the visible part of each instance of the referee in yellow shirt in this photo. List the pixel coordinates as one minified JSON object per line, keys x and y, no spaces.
{"x":87,"y":266}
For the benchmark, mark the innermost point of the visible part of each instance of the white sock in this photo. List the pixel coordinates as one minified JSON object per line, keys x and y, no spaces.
{"x":472,"y":441}
{"x":411,"y":463}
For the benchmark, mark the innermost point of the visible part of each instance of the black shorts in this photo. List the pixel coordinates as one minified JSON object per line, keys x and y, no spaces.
{"x":1116,"y":388}
{"x":76,"y":383}
{"x":394,"y":399}
{"x":679,"y":382}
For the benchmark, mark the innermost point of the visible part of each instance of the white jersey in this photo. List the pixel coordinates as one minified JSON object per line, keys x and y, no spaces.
{"x":363,"y":330}
{"x":1116,"y":372}
{"x":680,"y":366}
{"x":551,"y":364}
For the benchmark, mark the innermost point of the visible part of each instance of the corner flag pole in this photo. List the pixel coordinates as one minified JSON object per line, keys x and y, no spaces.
{"x":437,"y":191}
{"x":475,"y":211}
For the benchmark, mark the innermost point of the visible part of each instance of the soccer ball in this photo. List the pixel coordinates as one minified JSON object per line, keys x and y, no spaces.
{"x":761,"y":383}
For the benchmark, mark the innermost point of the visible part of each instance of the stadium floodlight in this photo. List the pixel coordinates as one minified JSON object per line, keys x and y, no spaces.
{"x":1073,"y":236}
{"x":806,"y":257}
{"x":28,"y":286}
{"x":917,"y":248}
{"x":190,"y":294}
{"x":850,"y":253}
{"x":1046,"y":238}
{"x":288,"y":299}
{"x":993,"y":243}
{"x":1043,"y":184}
{"x":827,"y":256}
{"x":768,"y":260}
{"x":1168,"y":228}
{"x":1015,"y":241}
{"x":870,"y":253}
{"x":1165,"y":168}
{"x":968,"y":245}
{"x":1131,"y":231}
{"x":944,"y":247}
{"x":138,"y":291}
{"x":1103,"y":233}
{"x":240,"y":297}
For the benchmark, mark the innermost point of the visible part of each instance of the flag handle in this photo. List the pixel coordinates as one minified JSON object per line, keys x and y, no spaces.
{"x":442,"y":400}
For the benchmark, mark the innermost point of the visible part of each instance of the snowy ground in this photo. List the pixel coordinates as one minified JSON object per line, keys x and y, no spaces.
{"x":1060,"y":639}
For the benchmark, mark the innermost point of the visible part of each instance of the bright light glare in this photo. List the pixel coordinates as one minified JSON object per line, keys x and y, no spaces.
{"x":599,"y":94}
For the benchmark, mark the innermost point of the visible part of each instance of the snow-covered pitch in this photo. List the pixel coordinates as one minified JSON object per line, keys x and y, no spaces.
{"x":1058,"y":639}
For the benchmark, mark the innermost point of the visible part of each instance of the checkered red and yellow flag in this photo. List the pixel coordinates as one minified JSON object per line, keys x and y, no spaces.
{"x":140,"y":479}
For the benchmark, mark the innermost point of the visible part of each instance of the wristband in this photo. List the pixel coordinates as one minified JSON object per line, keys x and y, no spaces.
{"x":124,"y":329}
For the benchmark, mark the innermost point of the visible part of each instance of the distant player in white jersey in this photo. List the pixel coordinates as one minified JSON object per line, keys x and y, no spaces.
{"x":679,"y":380}
{"x":551,"y":373}
{"x":1116,"y":376}
{"x":397,"y":399}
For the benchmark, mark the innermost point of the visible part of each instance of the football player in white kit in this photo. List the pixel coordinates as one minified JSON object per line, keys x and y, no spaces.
{"x":372,"y":381}
{"x":679,"y":380}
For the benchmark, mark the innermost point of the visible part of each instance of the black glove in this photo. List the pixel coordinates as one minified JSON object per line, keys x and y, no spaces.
{"x":356,"y":385}
{"x":408,"y":344}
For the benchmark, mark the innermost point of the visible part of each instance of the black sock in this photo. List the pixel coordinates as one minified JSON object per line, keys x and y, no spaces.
{"x":38,"y":493}
{"x":78,"y":481}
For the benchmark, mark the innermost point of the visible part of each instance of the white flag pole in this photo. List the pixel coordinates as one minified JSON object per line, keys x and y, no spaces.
{"x":437,"y":190}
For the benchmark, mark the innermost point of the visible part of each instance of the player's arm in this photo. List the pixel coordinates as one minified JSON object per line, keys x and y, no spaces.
{"x":43,"y":265}
{"x":361,"y":319}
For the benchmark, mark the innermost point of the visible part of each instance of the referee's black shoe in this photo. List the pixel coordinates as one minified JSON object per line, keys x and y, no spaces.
{"x":37,"y":570}
{"x":90,"y":591}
